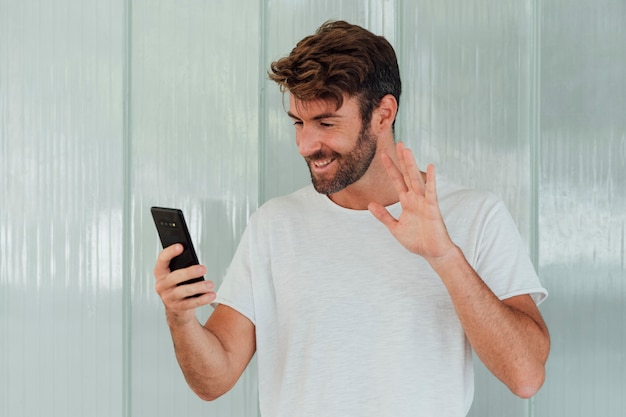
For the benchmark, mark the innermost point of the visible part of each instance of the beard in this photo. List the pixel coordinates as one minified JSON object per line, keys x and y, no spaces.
{"x":350,"y":166}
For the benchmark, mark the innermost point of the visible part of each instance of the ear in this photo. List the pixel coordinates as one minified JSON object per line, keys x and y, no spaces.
{"x":385,"y":114}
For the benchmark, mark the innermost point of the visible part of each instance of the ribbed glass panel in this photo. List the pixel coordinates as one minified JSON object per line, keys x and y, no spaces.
{"x":583,"y":205}
{"x":466,"y":108}
{"x":194,"y":130}
{"x":61,"y":200}
{"x":466,"y":100}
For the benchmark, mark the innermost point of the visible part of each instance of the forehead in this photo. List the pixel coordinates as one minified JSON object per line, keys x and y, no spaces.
{"x":314,"y":108}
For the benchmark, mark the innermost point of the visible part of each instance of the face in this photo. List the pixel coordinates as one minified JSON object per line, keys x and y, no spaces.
{"x":336,"y":146}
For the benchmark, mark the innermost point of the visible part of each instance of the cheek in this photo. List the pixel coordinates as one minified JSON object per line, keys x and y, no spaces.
{"x":342,"y":140}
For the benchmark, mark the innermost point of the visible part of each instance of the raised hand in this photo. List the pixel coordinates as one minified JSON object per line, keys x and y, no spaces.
{"x":420,"y":227}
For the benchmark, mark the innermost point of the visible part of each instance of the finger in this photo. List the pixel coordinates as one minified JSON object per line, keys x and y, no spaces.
{"x":194,"y":301}
{"x":179,"y":308}
{"x":162,"y":265}
{"x":413,"y":176}
{"x":382,"y":215}
{"x":196,"y":289}
{"x":186,"y":274}
{"x":400,"y":149}
{"x":397,"y":179}
{"x":168,"y":286}
{"x":171,"y":289}
{"x":431,"y":182}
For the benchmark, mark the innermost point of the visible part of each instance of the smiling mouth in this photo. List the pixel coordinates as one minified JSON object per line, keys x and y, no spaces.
{"x":322,"y":163}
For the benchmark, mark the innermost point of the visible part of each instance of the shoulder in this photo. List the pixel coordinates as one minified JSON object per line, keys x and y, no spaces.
{"x":294,"y":207}
{"x":296,"y":201}
{"x":458,"y":200}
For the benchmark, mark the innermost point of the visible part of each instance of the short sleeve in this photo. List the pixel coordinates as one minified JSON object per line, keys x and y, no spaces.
{"x":502,"y":258}
{"x":236,"y":289}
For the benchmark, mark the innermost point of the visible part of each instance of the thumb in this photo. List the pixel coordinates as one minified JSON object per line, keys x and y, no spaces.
{"x":382,"y":215}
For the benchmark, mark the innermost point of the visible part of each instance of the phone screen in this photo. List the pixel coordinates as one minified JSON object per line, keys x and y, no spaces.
{"x":171,"y":226}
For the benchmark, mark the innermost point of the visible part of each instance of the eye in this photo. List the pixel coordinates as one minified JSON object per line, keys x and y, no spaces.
{"x":297,"y":122}
{"x":325,"y":124}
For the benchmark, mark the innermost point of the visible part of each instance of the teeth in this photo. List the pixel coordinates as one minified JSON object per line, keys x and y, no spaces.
{"x":322,"y":163}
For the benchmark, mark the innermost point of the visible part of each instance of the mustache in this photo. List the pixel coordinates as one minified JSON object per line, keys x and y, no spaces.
{"x":322,"y":155}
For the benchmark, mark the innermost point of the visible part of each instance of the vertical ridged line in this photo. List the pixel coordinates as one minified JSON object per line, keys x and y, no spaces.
{"x":400,"y":43}
{"x":535,"y":140}
{"x":5,"y":241}
{"x":126,"y":214}
{"x":263,"y":113}
{"x":262,"y":123}
{"x":535,"y":127}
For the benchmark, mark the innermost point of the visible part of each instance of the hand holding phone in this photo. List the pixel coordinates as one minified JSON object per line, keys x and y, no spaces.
{"x":172,"y":228}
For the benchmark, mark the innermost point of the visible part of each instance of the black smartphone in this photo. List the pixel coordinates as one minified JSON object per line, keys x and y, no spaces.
{"x":171,"y":226}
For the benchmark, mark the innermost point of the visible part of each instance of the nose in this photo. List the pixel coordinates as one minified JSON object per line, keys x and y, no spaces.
{"x":308,"y":141}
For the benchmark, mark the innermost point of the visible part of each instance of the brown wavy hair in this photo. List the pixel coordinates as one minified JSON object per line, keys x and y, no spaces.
{"x":340,"y":58}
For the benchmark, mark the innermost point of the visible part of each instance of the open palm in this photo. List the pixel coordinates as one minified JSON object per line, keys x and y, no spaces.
{"x":420,"y":227}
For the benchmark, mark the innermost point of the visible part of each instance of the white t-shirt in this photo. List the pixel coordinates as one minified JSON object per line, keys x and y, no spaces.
{"x":349,"y":322}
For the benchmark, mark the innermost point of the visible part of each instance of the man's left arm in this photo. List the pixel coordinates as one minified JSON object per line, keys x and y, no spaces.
{"x":509,"y":336}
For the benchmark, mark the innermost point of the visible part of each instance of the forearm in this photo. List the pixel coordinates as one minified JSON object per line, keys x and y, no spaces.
{"x":512,"y":344}
{"x":212,"y":357}
{"x":202,"y":358}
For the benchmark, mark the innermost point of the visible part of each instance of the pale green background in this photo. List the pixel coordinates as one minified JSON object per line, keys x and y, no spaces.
{"x":109,"y":107}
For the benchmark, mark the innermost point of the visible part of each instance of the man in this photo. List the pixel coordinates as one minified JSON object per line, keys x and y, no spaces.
{"x":362,"y":294}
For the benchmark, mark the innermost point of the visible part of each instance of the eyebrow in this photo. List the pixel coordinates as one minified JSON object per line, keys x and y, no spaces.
{"x":318,"y":117}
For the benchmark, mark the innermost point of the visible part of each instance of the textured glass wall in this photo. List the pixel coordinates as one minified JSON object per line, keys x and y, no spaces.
{"x":194,"y":132}
{"x":583,"y":205}
{"x":61,"y":205}
{"x":466,"y":107}
{"x":108,"y":108}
